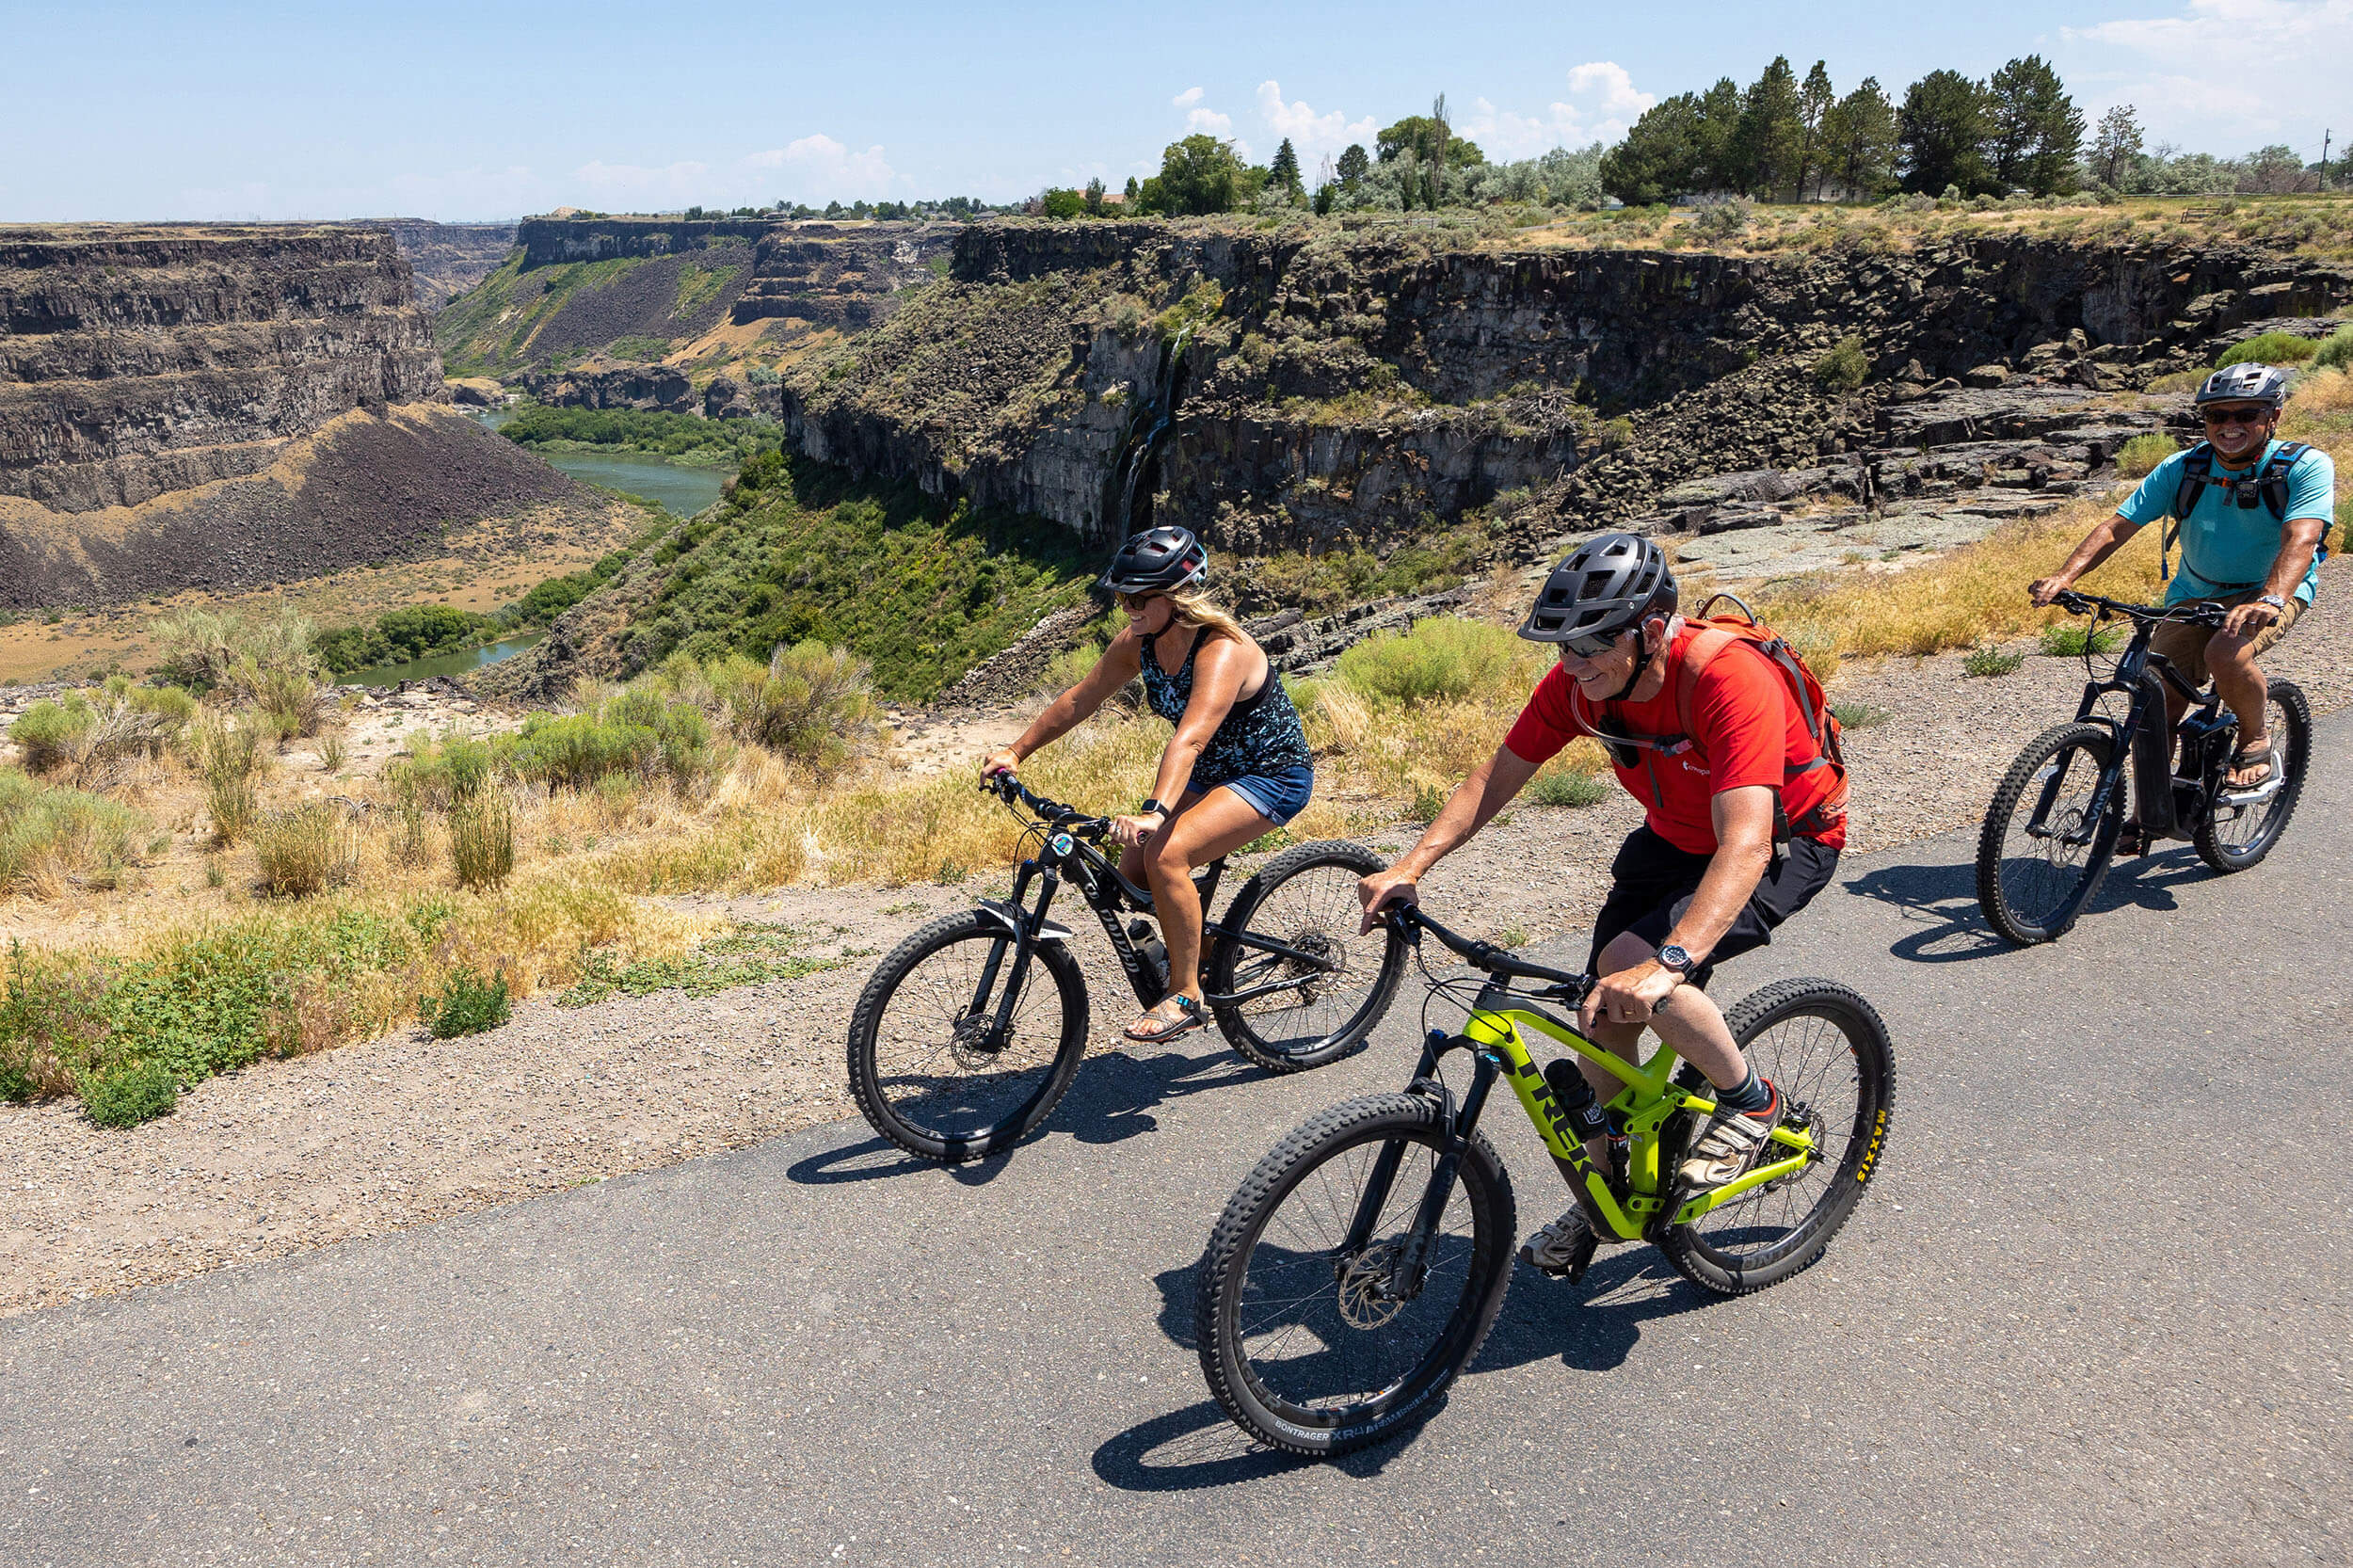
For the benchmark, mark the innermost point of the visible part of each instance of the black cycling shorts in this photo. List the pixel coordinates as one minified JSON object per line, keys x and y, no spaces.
{"x":1651,"y":883}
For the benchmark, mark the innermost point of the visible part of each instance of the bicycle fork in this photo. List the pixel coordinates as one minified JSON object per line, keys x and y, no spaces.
{"x":1410,"y":1266}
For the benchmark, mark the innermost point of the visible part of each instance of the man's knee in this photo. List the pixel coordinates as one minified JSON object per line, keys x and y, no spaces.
{"x":1624,"y":951}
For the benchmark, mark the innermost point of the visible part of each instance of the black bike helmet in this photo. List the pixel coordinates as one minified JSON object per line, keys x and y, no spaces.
{"x":1609,"y":585}
{"x":2246,"y":383}
{"x":1160,"y":561}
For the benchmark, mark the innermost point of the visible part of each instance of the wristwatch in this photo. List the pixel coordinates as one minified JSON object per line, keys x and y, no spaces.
{"x":1151,"y":808}
{"x":2272,"y":600}
{"x":1676,"y":962}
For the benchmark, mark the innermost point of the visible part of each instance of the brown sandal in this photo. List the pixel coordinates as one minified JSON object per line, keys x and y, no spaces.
{"x":1188,"y":1018}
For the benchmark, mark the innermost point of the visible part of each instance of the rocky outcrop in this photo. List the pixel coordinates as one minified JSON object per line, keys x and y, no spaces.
{"x":548,"y":241}
{"x":602,"y":383}
{"x":195,"y":406}
{"x":826,"y":275}
{"x":447,"y":259}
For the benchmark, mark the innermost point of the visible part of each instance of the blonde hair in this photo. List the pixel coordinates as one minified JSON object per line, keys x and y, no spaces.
{"x":1196,"y":608}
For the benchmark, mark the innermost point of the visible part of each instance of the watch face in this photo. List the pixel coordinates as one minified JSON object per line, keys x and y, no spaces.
{"x":1672,"y":957}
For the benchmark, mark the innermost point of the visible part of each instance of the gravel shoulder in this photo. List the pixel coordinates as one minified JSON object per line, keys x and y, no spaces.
{"x":287,"y":1156}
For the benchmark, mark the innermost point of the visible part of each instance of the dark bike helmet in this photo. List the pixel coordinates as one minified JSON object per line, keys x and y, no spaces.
{"x":1608,"y":584}
{"x":2246,"y":383}
{"x":1160,"y":561}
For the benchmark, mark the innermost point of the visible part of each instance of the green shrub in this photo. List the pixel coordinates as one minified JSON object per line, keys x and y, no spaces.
{"x":482,"y":839}
{"x":2336,"y":350}
{"x":1844,"y":367}
{"x":1987,"y":659}
{"x":812,"y":702}
{"x":1567,"y":787}
{"x":1428,"y":800}
{"x":1859,"y":715}
{"x":2070,"y":638}
{"x":468,"y":1004}
{"x":2143,"y":453}
{"x":51,"y":835}
{"x":2271,"y":348}
{"x":136,"y":1092}
{"x":306,"y":850}
{"x":231,"y":653}
{"x":231,"y":755}
{"x":576,"y":750}
{"x":1441,"y":659}
{"x":52,"y":732}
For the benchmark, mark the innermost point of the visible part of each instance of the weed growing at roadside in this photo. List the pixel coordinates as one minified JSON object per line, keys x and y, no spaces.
{"x":482,"y":839}
{"x":1859,"y":715}
{"x":747,"y":955}
{"x":1428,"y":800}
{"x":1567,"y":788}
{"x":2063,"y":640}
{"x":468,"y":1004}
{"x":133,"y":1092}
{"x":1989,"y":660}
{"x":52,"y":836}
{"x":231,"y":755}
{"x":306,"y":850}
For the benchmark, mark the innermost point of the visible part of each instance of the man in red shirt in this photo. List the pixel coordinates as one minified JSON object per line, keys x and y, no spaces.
{"x":1744,"y":823}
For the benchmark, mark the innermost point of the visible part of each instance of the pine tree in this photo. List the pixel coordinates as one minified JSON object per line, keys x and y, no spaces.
{"x":1815,"y":101}
{"x":1943,"y":128}
{"x":1283,"y":173}
{"x":1769,"y":132}
{"x":2115,"y":146}
{"x":1859,"y":142}
{"x":1717,"y":131}
{"x":2033,"y":129}
{"x":1660,"y":157}
{"x":1353,"y":165}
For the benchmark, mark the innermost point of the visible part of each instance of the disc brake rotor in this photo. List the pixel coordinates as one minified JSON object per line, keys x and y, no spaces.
{"x":1316,"y":944}
{"x":1364,"y":1283}
{"x":973,"y":1042}
{"x":1800,"y":1115}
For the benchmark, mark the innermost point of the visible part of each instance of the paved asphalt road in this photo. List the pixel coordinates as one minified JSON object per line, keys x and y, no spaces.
{"x":2095,"y":1311}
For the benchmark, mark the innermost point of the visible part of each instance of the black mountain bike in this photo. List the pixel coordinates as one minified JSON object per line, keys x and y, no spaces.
{"x":2063,"y":811}
{"x":959,"y":1046}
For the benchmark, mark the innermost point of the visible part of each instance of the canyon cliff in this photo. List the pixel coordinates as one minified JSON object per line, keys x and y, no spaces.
{"x":226,"y":407}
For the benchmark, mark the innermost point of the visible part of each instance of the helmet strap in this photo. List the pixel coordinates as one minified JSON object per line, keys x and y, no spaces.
{"x":1641,"y":661}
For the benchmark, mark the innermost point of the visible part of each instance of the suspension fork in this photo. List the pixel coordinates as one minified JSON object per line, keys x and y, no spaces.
{"x":1411,"y":1265}
{"x":1024,"y":943}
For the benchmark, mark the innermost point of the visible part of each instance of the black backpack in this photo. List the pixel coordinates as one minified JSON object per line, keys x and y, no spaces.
{"x":2268,"y":486}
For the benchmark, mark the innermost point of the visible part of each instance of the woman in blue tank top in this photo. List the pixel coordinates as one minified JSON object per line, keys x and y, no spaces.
{"x":1238,"y":766}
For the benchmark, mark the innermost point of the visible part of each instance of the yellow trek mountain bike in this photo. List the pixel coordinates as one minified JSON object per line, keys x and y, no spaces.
{"x":1359,"y":1268}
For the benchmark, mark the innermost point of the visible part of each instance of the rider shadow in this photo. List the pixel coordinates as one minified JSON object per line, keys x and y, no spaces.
{"x":1590,"y":1326}
{"x":877,"y":1159}
{"x":1942,"y":899}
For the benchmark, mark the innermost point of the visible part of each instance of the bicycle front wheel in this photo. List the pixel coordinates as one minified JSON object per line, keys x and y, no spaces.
{"x":1828,"y":1053}
{"x":2041,"y":856}
{"x":1299,"y":1337}
{"x":1319,"y":1000}
{"x":931,"y":1066}
{"x":2232,"y":837}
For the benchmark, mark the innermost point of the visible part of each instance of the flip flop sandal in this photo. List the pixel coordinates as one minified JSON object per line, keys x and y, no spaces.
{"x":2261,"y":788}
{"x":1188,"y":1018}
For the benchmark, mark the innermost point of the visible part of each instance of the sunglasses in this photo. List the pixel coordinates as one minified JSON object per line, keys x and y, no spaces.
{"x":1134,"y":603}
{"x":1589,"y":648}
{"x":2215,"y":418}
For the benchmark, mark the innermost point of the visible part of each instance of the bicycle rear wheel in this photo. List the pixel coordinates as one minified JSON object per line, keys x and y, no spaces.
{"x":2037,"y":868}
{"x":2232,"y":837}
{"x":1305,"y":899}
{"x":1296,"y":1340}
{"x":927,"y":1064}
{"x":1828,"y":1053}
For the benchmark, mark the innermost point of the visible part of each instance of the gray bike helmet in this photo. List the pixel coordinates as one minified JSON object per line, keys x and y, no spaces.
{"x":2246,"y":383}
{"x":1163,"y":560}
{"x":1608,"y":584}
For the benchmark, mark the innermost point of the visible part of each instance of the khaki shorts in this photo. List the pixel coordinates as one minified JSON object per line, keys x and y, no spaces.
{"x":2186,"y":645}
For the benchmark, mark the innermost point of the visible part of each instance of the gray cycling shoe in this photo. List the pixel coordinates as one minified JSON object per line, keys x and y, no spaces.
{"x":1729,"y":1145}
{"x":1564,"y":1247}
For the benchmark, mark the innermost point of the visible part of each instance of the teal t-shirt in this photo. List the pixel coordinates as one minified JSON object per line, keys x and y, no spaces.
{"x":2223,"y":543}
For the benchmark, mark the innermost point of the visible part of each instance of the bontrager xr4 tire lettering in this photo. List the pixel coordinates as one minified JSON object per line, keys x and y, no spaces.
{"x":2038,"y":865}
{"x":928,"y":1066}
{"x":1305,"y":899}
{"x":1828,"y":1053}
{"x":1296,"y":1338}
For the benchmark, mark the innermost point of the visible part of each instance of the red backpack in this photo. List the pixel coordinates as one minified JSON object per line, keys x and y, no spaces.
{"x":1711,"y":638}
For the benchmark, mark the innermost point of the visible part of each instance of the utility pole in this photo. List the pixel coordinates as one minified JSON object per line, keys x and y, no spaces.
{"x":2324,"y":159}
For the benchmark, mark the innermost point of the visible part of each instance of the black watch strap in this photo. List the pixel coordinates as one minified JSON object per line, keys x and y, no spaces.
{"x":1676,"y":961}
{"x":1151,"y":808}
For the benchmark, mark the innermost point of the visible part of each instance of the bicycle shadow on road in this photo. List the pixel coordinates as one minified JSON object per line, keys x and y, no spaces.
{"x":1590,"y":1326}
{"x":1942,"y":899}
{"x":1112,"y":1099}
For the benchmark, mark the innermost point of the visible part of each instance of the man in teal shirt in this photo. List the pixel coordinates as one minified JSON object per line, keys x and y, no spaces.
{"x":2263,"y":567}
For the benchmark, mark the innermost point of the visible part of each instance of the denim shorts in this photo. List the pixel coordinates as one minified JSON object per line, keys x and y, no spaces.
{"x":1276,"y":796}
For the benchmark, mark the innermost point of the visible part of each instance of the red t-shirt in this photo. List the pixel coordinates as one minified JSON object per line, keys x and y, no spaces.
{"x":1746,"y":725}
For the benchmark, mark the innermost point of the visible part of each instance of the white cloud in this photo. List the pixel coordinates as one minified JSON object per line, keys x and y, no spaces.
{"x":1209,"y":122}
{"x":2210,"y":69}
{"x":1186,"y":99}
{"x":1602,"y":103}
{"x":1314,"y":137}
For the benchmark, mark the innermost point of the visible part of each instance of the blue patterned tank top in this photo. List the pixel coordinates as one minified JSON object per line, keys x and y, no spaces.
{"x":1260,"y":734}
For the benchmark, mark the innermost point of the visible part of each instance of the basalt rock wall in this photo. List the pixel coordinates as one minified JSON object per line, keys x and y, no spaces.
{"x":223,"y":376}
{"x":547,"y":241}
{"x":1357,"y":388}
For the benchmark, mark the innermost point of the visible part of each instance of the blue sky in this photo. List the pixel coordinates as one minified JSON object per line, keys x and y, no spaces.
{"x":490,"y":109}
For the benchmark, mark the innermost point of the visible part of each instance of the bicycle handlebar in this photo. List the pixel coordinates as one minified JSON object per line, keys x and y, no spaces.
{"x":1483,"y":955}
{"x":2086,"y":604}
{"x":1069,"y":818}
